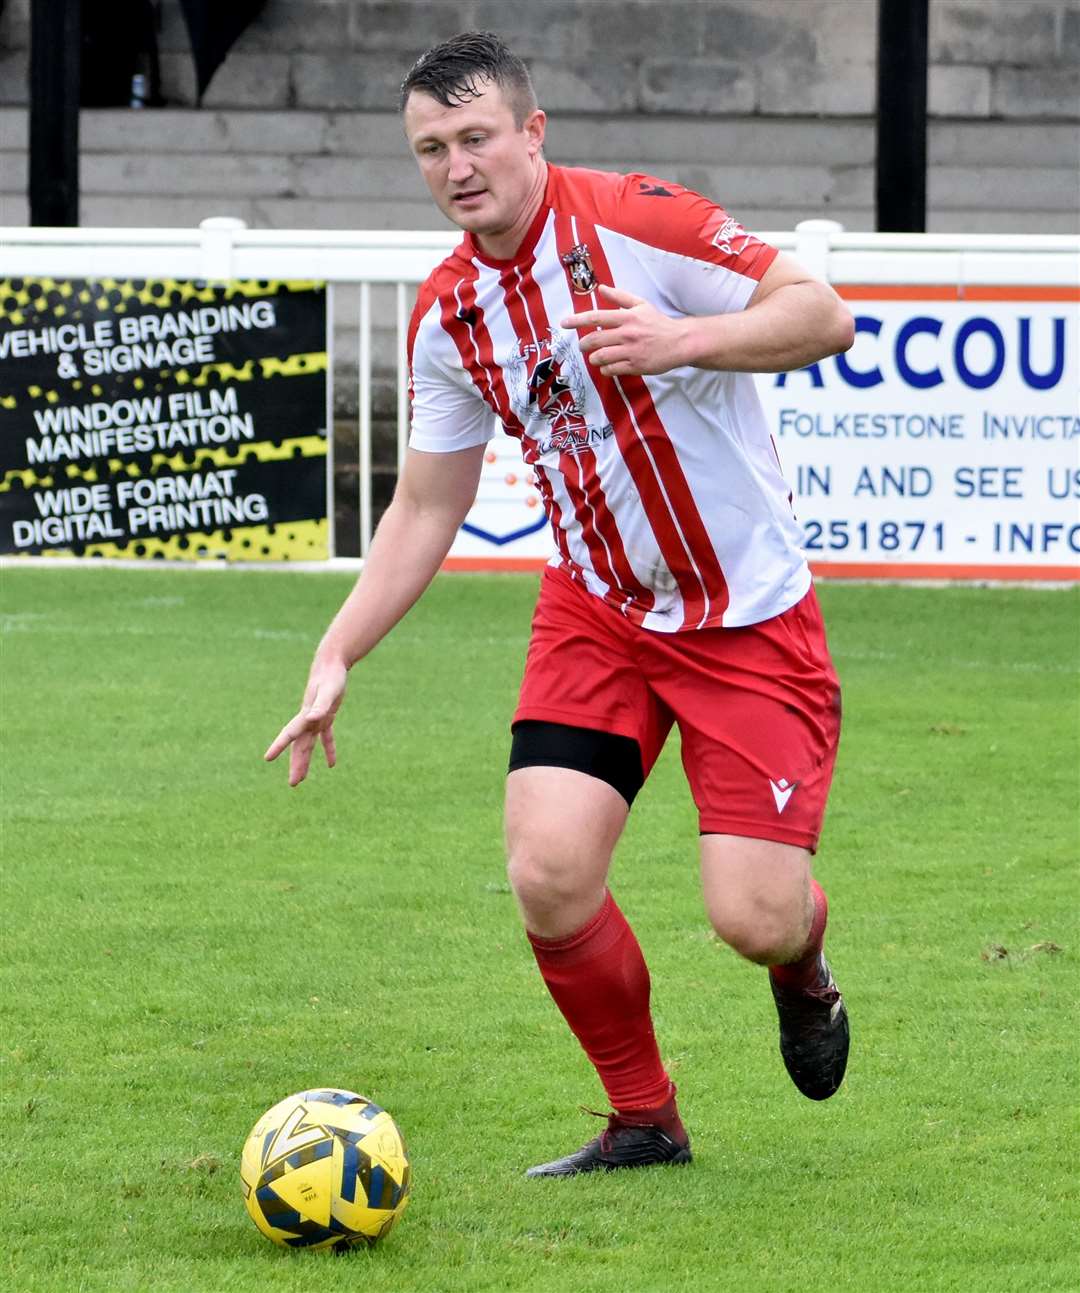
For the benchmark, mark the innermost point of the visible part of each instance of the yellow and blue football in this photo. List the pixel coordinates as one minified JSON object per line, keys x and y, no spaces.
{"x":325,"y":1169}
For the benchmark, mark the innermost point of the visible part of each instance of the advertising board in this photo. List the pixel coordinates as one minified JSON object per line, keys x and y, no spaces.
{"x":163,"y":419}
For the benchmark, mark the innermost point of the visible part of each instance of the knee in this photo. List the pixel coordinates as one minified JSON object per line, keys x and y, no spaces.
{"x":763,"y":930}
{"x":561,"y":828}
{"x":556,"y":890}
{"x":540,"y":878}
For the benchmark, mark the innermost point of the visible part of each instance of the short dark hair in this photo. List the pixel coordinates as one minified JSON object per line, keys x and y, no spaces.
{"x":458,"y":69}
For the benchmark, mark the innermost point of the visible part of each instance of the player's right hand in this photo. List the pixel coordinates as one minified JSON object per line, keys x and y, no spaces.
{"x":322,"y":698}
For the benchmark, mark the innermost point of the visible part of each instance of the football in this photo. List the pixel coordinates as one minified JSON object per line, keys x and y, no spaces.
{"x":325,"y":1169}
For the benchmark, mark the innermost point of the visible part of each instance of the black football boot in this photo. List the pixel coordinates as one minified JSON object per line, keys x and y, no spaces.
{"x":814,"y":1034}
{"x":622,"y":1144}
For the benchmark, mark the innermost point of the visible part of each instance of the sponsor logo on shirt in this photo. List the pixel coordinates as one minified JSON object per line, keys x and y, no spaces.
{"x":548,"y":385}
{"x":731,"y":238}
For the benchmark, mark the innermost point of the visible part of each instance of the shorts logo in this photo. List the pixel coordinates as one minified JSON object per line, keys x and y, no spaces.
{"x":782,"y":791}
{"x":579,"y":264}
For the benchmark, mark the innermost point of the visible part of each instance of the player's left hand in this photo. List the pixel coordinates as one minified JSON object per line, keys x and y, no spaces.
{"x":631,"y":340}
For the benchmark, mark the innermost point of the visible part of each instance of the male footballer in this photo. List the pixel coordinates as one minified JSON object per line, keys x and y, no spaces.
{"x":611,"y":323}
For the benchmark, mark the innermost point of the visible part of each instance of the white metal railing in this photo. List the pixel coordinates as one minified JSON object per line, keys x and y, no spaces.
{"x":224,"y":248}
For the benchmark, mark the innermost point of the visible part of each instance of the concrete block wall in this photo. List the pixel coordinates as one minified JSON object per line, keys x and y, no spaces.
{"x":765,"y":104}
{"x":990,"y":58}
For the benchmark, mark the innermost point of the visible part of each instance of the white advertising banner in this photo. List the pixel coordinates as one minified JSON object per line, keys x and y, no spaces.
{"x":945,"y":443}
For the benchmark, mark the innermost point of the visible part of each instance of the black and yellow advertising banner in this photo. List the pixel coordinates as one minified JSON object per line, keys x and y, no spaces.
{"x":163,"y":419}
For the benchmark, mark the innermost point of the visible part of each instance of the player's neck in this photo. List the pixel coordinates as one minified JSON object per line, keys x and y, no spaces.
{"x":504,"y":244}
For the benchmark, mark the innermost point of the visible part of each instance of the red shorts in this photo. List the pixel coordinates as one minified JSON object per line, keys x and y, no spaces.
{"x":758,"y":708}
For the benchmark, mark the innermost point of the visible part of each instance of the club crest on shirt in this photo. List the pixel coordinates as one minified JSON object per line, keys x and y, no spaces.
{"x":580,"y":268}
{"x":547,"y":384}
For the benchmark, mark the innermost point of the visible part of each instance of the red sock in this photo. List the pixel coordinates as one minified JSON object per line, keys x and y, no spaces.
{"x":600,"y":982}
{"x":805,"y":970}
{"x":665,"y":1115}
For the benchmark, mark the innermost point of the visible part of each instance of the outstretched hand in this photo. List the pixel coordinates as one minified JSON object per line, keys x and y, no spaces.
{"x":315,"y":720}
{"x":633,"y":339}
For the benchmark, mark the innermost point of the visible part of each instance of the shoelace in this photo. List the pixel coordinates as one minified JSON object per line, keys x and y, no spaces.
{"x":828,"y":994}
{"x":614,"y":1123}
{"x":609,"y":1118}
{"x":825,"y":992}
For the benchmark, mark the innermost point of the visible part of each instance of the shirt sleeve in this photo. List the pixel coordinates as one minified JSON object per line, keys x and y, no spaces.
{"x":447,"y":412}
{"x":700,"y":257}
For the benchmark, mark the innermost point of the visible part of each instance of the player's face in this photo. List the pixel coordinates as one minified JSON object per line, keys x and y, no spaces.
{"x":484,"y":172}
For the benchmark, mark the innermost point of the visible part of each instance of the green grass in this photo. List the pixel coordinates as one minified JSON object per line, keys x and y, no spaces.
{"x":185,"y":941}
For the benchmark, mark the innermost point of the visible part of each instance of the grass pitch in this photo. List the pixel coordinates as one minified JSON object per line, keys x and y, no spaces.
{"x":186,"y":941}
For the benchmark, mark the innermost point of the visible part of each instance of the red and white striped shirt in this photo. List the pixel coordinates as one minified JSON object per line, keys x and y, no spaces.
{"x":664,"y":493}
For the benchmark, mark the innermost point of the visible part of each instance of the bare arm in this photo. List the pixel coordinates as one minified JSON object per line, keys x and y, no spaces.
{"x":432,"y":498}
{"x":433,"y":495}
{"x":792,"y":320}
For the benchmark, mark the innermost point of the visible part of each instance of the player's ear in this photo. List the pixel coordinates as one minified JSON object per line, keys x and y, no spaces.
{"x":534,"y":125}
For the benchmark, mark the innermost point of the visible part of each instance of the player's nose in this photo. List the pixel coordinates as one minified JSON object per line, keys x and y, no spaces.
{"x":461,"y":167}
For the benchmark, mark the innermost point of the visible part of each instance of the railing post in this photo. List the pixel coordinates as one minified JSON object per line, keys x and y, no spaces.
{"x":365,"y":419}
{"x":402,"y":376}
{"x":216,"y":237}
{"x":331,"y":500}
{"x":812,"y":241}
